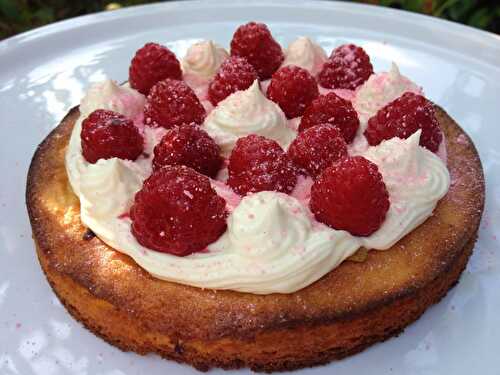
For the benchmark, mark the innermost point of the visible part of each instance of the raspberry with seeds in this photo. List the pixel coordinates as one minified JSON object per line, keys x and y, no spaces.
{"x":348,"y":67}
{"x":234,"y":74}
{"x":331,"y":109}
{"x":316,"y":148}
{"x":177,"y":212}
{"x":151,"y":64}
{"x":190,"y":146}
{"x":293,"y":89}
{"x":107,"y":134}
{"x":350,"y":195}
{"x":172,"y":103}
{"x":254,"y":42}
{"x":403,"y":117}
{"x":258,"y":164}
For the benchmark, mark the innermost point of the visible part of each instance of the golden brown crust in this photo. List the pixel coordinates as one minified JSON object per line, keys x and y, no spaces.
{"x":201,"y":326}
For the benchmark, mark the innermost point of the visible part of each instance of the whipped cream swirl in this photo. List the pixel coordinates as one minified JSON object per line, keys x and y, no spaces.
{"x":247,"y":112}
{"x":107,"y":186}
{"x":416,"y":180}
{"x":109,"y":95}
{"x":305,"y":53}
{"x":203,"y":59}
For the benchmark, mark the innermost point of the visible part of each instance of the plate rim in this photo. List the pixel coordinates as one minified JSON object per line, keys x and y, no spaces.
{"x":162,"y":7}
{"x":471,"y":33}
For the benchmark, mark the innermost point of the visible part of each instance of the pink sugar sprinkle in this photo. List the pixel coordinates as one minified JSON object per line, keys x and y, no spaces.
{"x":294,"y":123}
{"x":232,"y":199}
{"x":125,"y":215}
{"x":139,"y":121}
{"x":264,"y":85}
{"x":442,"y":152}
{"x":343,"y":93}
{"x":207,"y":105}
{"x":486,"y":221}
{"x":302,"y":190}
{"x":462,"y":140}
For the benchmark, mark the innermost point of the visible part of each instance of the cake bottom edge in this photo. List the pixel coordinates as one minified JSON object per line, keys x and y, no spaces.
{"x":270,"y":350}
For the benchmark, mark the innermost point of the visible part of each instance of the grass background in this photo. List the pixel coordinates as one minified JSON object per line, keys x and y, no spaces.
{"x":17,"y":16}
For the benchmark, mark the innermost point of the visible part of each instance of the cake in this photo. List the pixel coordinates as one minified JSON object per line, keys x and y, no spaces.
{"x":274,"y":270}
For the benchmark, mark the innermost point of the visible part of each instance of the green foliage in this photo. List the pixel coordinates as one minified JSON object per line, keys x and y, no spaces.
{"x":20,"y":15}
{"x":483,"y":14}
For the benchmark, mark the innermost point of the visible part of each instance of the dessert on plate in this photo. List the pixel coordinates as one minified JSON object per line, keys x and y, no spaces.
{"x":264,"y":207}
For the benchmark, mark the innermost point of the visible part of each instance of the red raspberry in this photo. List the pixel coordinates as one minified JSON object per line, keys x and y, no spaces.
{"x":172,"y":103}
{"x":293,"y":89}
{"x":234,"y":74}
{"x":107,"y":134}
{"x":331,"y":109}
{"x":347,"y":68}
{"x":316,"y":148}
{"x":177,"y":212}
{"x":153,"y":63}
{"x":190,"y":146}
{"x":254,"y":42}
{"x":403,"y":117}
{"x":258,"y":164}
{"x":350,"y":195}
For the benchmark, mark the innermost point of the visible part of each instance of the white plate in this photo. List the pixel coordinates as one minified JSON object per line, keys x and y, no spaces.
{"x":43,"y":73}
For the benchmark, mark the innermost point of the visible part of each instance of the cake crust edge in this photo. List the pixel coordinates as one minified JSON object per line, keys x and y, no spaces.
{"x":278,"y":320}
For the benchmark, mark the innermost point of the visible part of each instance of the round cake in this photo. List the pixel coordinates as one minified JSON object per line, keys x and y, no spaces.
{"x":368,"y":297}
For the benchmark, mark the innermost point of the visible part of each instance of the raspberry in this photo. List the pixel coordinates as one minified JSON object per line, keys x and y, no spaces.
{"x":153,"y":63}
{"x":258,"y":164}
{"x":177,"y":212}
{"x":403,"y":117}
{"x":350,"y":195}
{"x":107,"y":134}
{"x":293,"y":89}
{"x":316,"y":148}
{"x":347,"y":68}
{"x":172,"y":103}
{"x":234,"y":74}
{"x":190,"y":146}
{"x":254,"y":42}
{"x":332,"y":109}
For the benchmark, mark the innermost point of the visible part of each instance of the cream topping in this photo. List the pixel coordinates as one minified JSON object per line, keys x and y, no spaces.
{"x":272,"y":244}
{"x":103,"y":95}
{"x":109,"y":95}
{"x":416,"y":180}
{"x":305,"y":53}
{"x":203,"y":59}
{"x":379,"y":90}
{"x":247,"y":112}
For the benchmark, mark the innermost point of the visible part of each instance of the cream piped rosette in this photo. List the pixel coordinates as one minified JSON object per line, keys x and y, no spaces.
{"x":305,"y":53}
{"x":247,"y":112}
{"x":203,"y":59}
